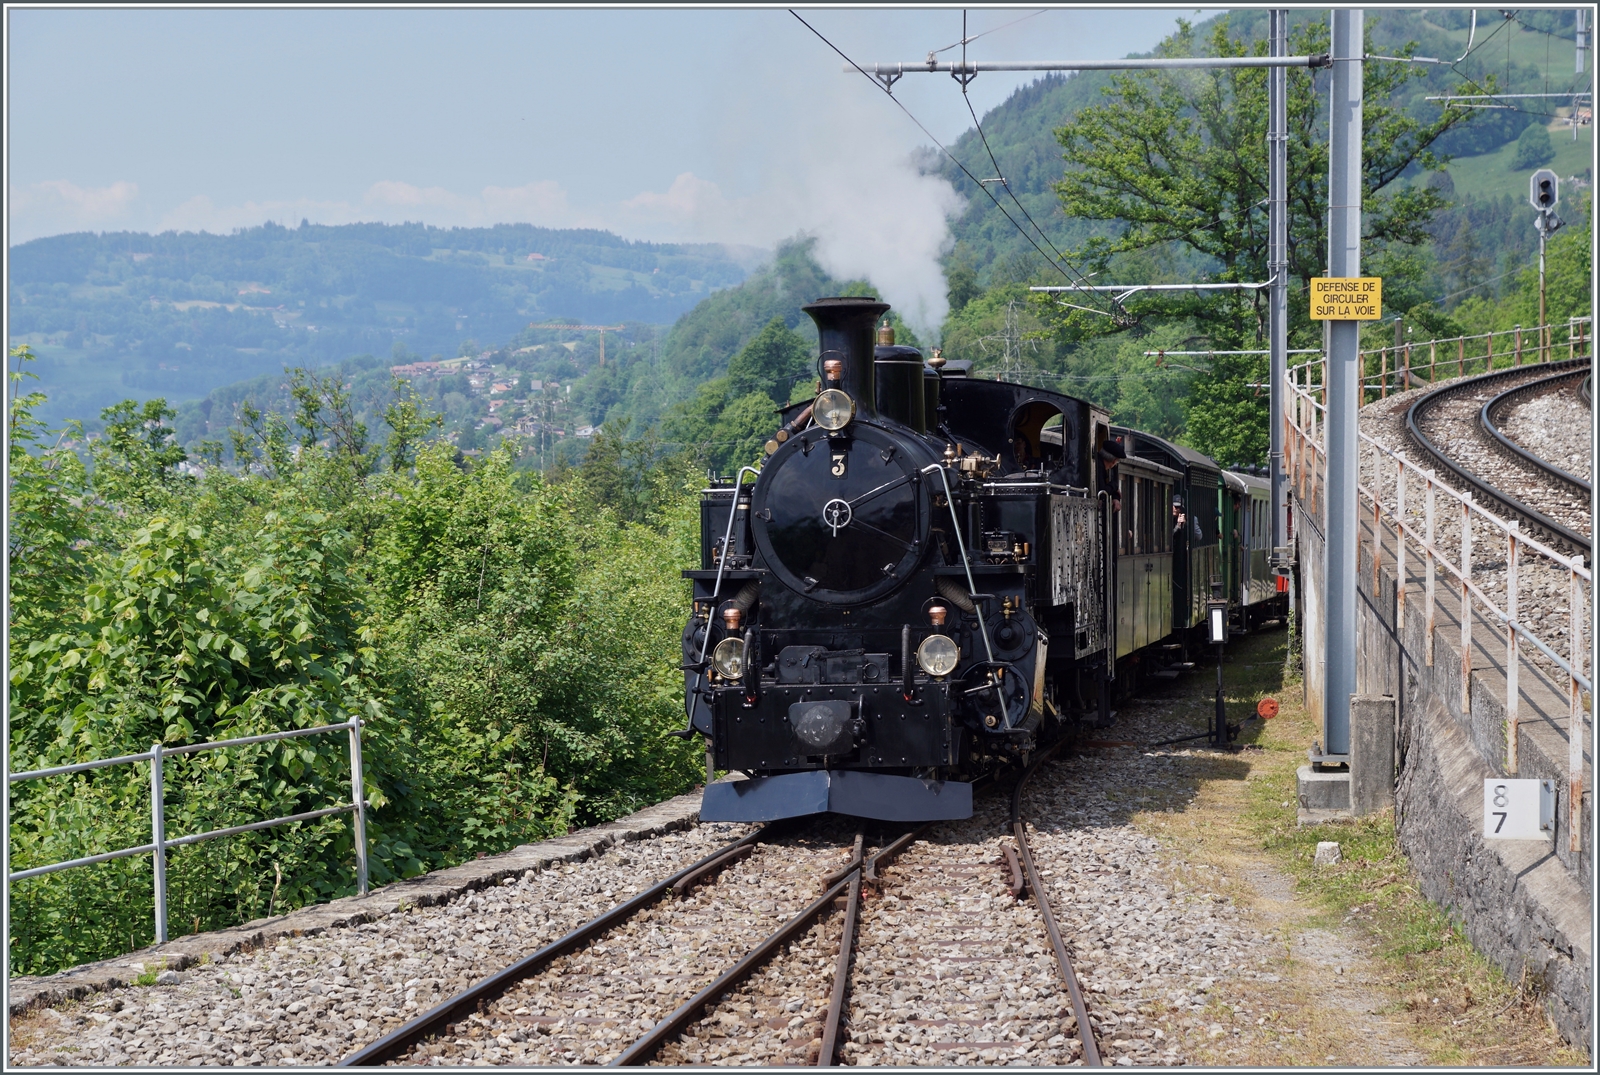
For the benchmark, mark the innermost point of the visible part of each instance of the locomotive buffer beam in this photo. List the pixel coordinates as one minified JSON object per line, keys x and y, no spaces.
{"x":881,"y":796}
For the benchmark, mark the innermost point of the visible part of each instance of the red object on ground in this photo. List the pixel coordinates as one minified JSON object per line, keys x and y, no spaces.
{"x":1267,"y":708}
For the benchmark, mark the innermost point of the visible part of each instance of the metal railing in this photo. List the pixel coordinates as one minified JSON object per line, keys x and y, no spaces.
{"x":158,"y":825}
{"x":1304,"y":419}
{"x":1401,"y":366}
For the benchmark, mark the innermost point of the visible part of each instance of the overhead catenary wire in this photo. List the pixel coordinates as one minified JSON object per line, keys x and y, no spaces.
{"x":965,"y":40}
{"x":999,"y":173}
{"x":1116,"y":313}
{"x":1469,"y":80}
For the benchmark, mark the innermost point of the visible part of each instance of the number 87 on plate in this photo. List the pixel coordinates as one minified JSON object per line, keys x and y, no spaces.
{"x":1519,"y":809}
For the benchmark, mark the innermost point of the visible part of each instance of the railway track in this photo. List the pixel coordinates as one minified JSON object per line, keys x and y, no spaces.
{"x":1458,"y":427}
{"x":586,"y":985}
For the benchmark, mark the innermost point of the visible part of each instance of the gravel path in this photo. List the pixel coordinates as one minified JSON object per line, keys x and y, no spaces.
{"x":1555,"y":427}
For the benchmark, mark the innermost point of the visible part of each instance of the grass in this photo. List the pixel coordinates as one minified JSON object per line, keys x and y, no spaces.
{"x":149,"y":975}
{"x":1490,"y":175}
{"x":1422,"y":985}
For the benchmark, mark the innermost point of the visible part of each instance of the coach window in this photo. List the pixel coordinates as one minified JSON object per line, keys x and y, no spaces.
{"x":1141,"y":519}
{"x":1164,"y":518}
{"x":1127,"y":514}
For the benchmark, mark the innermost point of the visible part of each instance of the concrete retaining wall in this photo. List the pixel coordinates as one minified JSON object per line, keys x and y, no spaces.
{"x":1523,"y":904}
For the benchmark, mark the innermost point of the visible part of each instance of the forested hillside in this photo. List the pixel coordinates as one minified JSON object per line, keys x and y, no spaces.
{"x":1160,"y":178}
{"x":179,"y":314}
{"x":1021,"y":131}
{"x":544,"y":387}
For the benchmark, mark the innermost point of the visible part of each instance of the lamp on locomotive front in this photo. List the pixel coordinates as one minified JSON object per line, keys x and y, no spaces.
{"x":728,"y":658}
{"x":833,"y":409}
{"x":938,"y":656}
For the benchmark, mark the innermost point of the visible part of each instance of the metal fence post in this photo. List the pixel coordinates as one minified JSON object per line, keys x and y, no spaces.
{"x":158,"y":832}
{"x":359,"y":798}
{"x":1466,"y":605}
{"x":1511,"y":649}
{"x":1377,"y":525}
{"x":1575,"y":712}
{"x":1400,"y":580}
{"x":1430,"y":577}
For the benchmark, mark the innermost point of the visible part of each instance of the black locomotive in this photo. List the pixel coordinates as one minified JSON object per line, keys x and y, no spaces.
{"x":933,"y":574}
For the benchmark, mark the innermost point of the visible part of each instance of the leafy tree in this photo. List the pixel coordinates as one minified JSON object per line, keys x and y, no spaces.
{"x":772,"y":362}
{"x":744,"y":427}
{"x":1179,"y":159}
{"x":324,"y":411}
{"x":136,"y":458}
{"x":619,"y":474}
{"x":409,"y":425}
{"x":961,"y":283}
{"x":261,"y":442}
{"x":1533,"y":148}
{"x":50,"y":519}
{"x":1569,"y":272}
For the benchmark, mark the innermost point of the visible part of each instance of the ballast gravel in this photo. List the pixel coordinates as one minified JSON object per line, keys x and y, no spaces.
{"x":1544,"y":597}
{"x":1555,"y":427}
{"x":314,"y":1000}
{"x":1453,"y":426}
{"x":950,"y":969}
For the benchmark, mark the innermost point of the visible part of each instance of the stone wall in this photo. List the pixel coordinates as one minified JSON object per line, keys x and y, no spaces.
{"x":1523,"y":904}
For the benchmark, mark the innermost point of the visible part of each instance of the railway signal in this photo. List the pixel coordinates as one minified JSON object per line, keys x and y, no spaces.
{"x":1544,"y":191}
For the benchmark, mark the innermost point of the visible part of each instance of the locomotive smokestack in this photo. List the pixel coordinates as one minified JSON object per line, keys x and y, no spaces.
{"x":846,"y":326}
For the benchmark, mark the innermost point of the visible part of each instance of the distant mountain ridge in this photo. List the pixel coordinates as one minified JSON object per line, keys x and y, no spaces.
{"x":178,"y":314}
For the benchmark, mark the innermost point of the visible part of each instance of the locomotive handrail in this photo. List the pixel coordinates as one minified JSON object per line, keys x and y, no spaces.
{"x":716,"y":591}
{"x":972,"y":586}
{"x":961,"y":544}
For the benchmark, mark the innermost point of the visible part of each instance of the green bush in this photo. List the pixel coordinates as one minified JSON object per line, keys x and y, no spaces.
{"x":1533,"y":148}
{"x":509,"y":646}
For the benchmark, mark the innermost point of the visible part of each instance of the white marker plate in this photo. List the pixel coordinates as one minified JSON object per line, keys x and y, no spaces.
{"x":1512,"y":810}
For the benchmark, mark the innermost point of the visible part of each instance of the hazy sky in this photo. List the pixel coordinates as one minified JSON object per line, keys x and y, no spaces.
{"x":718,"y":125}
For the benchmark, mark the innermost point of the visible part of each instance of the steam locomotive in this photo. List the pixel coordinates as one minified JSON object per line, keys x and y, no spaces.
{"x":934,"y":574}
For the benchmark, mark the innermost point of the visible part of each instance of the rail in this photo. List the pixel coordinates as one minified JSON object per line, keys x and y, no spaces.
{"x":1516,"y":503}
{"x":158,"y":826}
{"x":1400,"y":366}
{"x":1306,"y":463}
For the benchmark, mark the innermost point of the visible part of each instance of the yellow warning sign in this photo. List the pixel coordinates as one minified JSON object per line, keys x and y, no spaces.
{"x":1347,"y":298}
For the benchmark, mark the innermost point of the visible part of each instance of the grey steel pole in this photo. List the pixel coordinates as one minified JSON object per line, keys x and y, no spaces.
{"x":1278,"y":273}
{"x":358,"y":796}
{"x":1544,"y":230}
{"x":1344,"y":259}
{"x":158,"y":833}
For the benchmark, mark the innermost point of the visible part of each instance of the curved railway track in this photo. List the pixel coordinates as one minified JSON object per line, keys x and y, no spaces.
{"x":486,"y":1009}
{"x":1459,"y":430}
